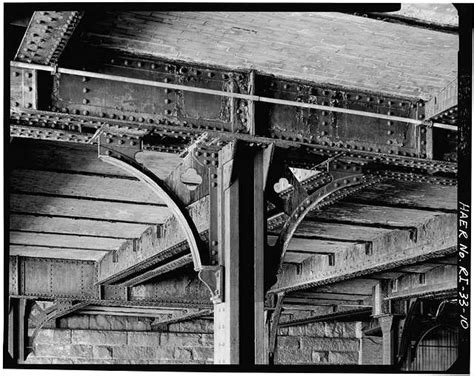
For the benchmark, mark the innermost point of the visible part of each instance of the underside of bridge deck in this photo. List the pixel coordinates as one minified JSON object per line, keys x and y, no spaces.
{"x":199,"y":167}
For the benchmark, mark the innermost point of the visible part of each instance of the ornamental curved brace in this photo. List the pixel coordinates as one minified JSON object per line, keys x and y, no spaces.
{"x":326,"y":195}
{"x":159,"y":188}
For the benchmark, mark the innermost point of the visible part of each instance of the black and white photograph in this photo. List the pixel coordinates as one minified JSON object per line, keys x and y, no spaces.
{"x":250,"y":187}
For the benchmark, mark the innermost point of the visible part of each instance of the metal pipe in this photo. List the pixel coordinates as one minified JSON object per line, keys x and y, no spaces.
{"x":249,"y":97}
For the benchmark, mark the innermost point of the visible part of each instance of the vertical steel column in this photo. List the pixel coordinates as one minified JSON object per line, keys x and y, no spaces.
{"x":17,"y":330}
{"x":226,"y":314}
{"x":259,"y":260}
{"x":389,"y":337}
{"x":239,"y":321}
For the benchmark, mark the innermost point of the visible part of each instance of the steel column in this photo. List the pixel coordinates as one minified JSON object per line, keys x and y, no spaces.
{"x":389,"y":340}
{"x":226,"y":313}
{"x":259,"y":224}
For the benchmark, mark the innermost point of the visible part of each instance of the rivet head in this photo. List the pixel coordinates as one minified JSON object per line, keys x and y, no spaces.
{"x":85,"y":101}
{"x":85,"y":90}
{"x":85,"y":113}
{"x":16,"y":74}
{"x":84,"y":79}
{"x":29,"y":105}
{"x":29,"y":75}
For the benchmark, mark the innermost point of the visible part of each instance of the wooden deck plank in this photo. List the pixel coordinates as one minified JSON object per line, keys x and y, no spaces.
{"x":35,"y":223}
{"x":88,"y":209}
{"x":63,"y":253}
{"x":66,"y":241}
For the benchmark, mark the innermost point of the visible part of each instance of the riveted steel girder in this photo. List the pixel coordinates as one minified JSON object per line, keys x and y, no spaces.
{"x":80,"y":128}
{"x":436,"y":238}
{"x":47,"y":35}
{"x":106,"y":97}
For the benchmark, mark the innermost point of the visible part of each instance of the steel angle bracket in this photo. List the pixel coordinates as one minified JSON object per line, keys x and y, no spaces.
{"x":213,"y":278}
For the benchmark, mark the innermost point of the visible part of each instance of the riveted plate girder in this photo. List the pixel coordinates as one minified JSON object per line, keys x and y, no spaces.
{"x":121,"y":100}
{"x":442,"y":102}
{"x":74,"y":280}
{"x":57,"y":278}
{"x":436,"y":238}
{"x":352,"y":132}
{"x":47,"y":35}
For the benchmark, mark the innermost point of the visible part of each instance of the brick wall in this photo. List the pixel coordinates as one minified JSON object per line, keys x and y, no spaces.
{"x":100,"y":339}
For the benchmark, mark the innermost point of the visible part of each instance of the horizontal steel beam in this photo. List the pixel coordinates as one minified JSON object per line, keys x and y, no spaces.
{"x":46,"y":36}
{"x":56,"y":126}
{"x":436,"y":238}
{"x":442,"y":101}
{"x":152,"y":249}
{"x":438,"y":280}
{"x":347,"y":315}
{"x":254,"y":98}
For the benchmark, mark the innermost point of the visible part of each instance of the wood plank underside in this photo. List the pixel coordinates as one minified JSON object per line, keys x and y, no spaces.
{"x":372,"y":215}
{"x":88,"y":209}
{"x":62,"y":253}
{"x":67,"y":241}
{"x":75,"y":226}
{"x":409,"y":194}
{"x":82,"y":186}
{"x":56,"y":156}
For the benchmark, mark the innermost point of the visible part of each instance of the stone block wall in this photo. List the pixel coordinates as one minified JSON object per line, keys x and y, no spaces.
{"x":320,"y":343}
{"x":100,"y":339}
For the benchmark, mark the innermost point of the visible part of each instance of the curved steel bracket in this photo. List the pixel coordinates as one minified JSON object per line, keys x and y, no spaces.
{"x":161,"y":190}
{"x":326,"y":195}
{"x":56,"y":311}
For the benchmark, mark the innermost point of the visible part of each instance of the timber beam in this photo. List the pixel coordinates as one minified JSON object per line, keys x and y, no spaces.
{"x":47,"y":35}
{"x":436,"y":238}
